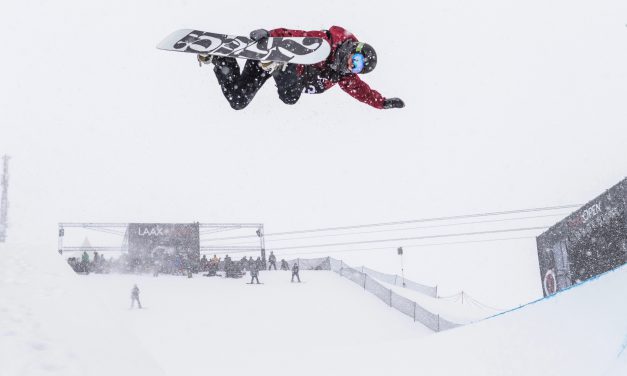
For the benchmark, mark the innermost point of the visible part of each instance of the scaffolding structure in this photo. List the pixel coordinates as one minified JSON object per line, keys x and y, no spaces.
{"x":209,"y":243}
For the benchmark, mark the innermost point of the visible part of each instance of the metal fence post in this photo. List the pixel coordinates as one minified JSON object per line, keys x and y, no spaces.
{"x":365,"y":276}
{"x":438,"y":322}
{"x":414,"y":311}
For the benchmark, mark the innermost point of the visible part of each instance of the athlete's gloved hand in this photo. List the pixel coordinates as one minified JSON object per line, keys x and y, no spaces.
{"x":259,"y":34}
{"x":393,"y":103}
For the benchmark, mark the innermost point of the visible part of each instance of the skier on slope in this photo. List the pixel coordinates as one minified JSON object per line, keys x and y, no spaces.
{"x":347,"y":59}
{"x":135,"y":297}
{"x":295,"y":270}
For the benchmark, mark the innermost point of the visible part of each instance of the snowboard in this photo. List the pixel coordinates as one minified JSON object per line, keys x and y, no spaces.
{"x":293,"y":50}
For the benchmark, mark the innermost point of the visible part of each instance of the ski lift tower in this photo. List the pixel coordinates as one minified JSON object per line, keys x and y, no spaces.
{"x":4,"y":201}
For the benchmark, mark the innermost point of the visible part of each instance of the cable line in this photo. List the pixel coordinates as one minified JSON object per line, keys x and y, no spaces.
{"x":413,"y":238}
{"x":433,"y":219}
{"x":397,"y":229}
{"x":404,"y":246}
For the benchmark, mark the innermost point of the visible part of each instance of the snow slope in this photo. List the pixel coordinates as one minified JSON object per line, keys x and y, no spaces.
{"x":55,"y":322}
{"x":50,"y":324}
{"x":582,"y":331}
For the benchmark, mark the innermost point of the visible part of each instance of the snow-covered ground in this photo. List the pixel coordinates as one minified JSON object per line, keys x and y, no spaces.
{"x":54,"y":322}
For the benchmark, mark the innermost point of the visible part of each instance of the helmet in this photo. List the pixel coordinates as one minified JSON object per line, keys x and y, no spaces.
{"x":368,"y":58}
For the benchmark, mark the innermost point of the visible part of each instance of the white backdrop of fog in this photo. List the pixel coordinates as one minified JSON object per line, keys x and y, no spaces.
{"x":510,"y":104}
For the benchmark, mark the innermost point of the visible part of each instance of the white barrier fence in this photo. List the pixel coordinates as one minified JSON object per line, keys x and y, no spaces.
{"x":397,"y":280}
{"x":369,"y":283}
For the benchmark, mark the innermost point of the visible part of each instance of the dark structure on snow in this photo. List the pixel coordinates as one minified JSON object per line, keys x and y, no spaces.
{"x":148,"y":242}
{"x":588,"y":242}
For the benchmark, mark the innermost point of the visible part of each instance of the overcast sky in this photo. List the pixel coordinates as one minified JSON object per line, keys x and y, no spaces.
{"x":510,"y":104}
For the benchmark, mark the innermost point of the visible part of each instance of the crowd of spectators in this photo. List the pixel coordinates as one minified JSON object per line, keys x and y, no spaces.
{"x":97,"y":264}
{"x":175,"y":264}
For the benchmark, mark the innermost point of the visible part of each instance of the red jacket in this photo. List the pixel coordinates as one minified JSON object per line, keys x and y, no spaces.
{"x":320,"y":77}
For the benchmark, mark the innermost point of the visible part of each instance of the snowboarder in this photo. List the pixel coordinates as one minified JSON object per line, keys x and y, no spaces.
{"x":135,"y":297}
{"x":348,"y":58}
{"x":254,"y":272}
{"x":295,"y":270}
{"x":272,"y":261}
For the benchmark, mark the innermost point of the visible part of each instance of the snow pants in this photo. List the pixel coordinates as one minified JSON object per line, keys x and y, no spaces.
{"x":135,"y":299}
{"x":295,"y":275}
{"x":240,"y":88}
{"x":254,"y":277}
{"x":272,"y":263}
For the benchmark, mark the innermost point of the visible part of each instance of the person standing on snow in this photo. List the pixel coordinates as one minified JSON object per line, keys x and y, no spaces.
{"x":254,"y":272}
{"x":227,"y":266}
{"x":272,"y":261}
{"x":284,"y":265}
{"x":348,"y":58}
{"x":135,"y":297}
{"x":295,"y":269}
{"x":85,"y":262}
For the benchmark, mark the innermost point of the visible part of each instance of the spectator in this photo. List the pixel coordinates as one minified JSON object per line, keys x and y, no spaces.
{"x":284,"y":265}
{"x":74,"y":264}
{"x":156,"y":267}
{"x":228,"y":266}
{"x":295,"y":269}
{"x":204,"y":263}
{"x":254,"y":272}
{"x":135,"y":297}
{"x":272,"y":261}
{"x":85,"y":262}
{"x":243,"y":263}
{"x":95,"y":262}
{"x":215,"y":260}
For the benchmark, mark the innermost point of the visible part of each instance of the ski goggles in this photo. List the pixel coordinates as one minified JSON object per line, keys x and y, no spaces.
{"x":357,"y":62}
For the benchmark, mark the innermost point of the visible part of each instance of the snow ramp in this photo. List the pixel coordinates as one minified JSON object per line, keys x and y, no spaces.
{"x":54,"y":322}
{"x":581,"y":331}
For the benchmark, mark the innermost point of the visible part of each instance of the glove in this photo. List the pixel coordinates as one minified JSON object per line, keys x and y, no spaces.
{"x":393,"y":103}
{"x":259,"y":34}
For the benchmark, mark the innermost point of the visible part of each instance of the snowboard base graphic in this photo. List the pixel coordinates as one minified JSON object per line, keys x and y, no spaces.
{"x":285,"y":50}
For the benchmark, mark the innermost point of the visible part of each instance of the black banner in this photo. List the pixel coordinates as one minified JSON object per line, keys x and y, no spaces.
{"x":152,"y":241}
{"x":588,"y":242}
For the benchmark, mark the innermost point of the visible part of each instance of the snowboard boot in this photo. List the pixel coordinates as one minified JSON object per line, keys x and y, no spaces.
{"x":204,"y":59}
{"x":271,"y":66}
